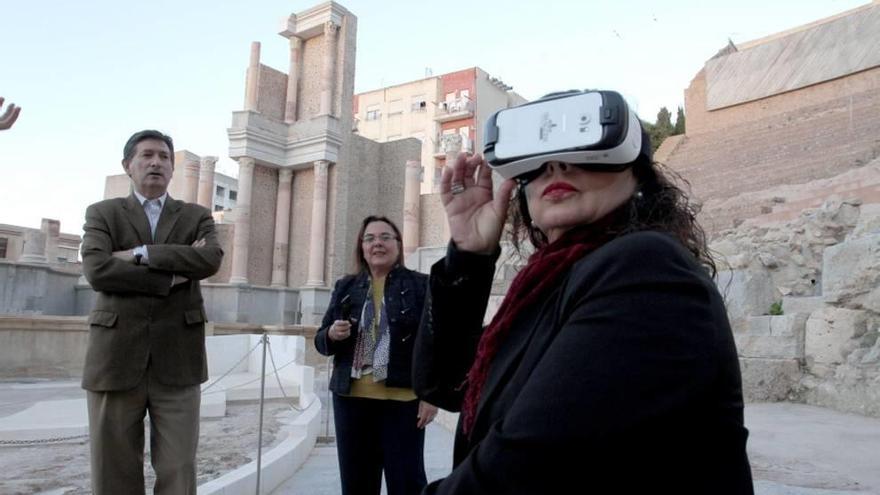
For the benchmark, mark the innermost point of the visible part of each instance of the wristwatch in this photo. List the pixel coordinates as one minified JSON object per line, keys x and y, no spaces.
{"x":137,"y":258}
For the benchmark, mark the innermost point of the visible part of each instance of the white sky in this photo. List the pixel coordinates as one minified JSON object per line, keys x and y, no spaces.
{"x":90,"y":73}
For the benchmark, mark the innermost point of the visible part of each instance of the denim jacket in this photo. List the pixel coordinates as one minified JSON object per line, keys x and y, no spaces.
{"x":404,"y":299}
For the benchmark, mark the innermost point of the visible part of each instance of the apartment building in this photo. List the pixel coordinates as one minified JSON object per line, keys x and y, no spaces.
{"x":447,"y":113}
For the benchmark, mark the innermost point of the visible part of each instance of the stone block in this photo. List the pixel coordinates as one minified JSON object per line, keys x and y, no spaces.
{"x":746,"y":293}
{"x":802,"y":305}
{"x":868,"y":223}
{"x":769,"y":379}
{"x":831,"y":334}
{"x":777,"y":337}
{"x":851,"y":269}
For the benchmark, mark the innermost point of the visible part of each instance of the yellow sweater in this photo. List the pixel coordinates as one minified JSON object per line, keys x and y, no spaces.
{"x":364,"y":386}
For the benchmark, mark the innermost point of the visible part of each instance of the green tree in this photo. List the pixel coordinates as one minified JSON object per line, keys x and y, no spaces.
{"x":679,"y":122}
{"x":661,"y":129}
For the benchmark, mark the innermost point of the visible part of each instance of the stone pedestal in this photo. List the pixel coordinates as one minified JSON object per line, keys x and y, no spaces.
{"x":313,"y":304}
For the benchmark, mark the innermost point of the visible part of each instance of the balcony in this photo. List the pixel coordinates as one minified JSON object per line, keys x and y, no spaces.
{"x":459,"y":108}
{"x":452,"y":143}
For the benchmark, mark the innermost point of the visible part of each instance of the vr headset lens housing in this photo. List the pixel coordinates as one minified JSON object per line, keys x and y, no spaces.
{"x":595,"y":130}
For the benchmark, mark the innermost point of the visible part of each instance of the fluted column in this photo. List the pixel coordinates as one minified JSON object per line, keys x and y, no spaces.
{"x":328,"y":82}
{"x":253,"y":78}
{"x":190,"y":181}
{"x":206,"y":182}
{"x":282,"y":229}
{"x":411,"y":194}
{"x":242,"y":233}
{"x":292,"y":80}
{"x":319,"y":222}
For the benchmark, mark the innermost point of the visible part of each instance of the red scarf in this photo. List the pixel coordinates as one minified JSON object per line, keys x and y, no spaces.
{"x":542,"y":273}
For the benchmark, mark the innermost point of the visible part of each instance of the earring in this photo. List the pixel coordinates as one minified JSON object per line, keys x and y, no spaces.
{"x":639,"y":195}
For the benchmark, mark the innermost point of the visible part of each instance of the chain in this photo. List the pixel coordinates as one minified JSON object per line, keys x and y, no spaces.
{"x":278,"y":379}
{"x":215,"y":382}
{"x":43,"y":440}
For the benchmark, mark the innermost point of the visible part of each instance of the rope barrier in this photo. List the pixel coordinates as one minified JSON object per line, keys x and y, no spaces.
{"x":278,"y":379}
{"x":215,"y":382}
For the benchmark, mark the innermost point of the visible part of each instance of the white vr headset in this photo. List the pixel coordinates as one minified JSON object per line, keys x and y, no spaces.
{"x":592,"y":129}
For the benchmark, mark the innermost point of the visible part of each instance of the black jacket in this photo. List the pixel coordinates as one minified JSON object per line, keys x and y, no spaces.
{"x":404,"y":299}
{"x":624,"y":379}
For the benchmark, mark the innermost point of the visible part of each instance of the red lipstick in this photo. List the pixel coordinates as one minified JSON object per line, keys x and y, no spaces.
{"x":558,"y":186}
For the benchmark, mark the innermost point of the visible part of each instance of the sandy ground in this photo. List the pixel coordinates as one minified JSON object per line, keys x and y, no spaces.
{"x":63,"y":468}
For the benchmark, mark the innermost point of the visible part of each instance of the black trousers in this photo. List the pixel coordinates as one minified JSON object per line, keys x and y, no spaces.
{"x":373,"y":436}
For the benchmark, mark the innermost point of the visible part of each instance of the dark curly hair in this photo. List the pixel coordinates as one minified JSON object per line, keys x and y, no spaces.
{"x":660,"y":204}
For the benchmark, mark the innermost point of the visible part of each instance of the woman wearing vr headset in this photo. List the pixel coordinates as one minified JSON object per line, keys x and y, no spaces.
{"x":610,"y":366}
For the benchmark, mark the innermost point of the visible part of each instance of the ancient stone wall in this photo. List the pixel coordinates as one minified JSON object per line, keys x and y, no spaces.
{"x":794,"y":147}
{"x":804,"y":300}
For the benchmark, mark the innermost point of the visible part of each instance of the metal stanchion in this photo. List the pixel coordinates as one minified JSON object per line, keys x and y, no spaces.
{"x":265,"y":341}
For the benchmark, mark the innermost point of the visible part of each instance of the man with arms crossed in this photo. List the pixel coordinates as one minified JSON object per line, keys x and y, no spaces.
{"x":144,"y":256}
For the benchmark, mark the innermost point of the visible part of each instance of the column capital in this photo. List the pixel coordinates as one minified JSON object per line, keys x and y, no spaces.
{"x":321,"y":166}
{"x":413,"y":164}
{"x":285,"y":174}
{"x":331,"y":28}
{"x":246,"y":162}
{"x":209,"y":161}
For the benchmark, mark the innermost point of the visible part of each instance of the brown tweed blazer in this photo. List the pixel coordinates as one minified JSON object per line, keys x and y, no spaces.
{"x":139,"y":318}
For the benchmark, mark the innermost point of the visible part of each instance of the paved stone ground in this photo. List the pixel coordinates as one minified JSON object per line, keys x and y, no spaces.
{"x":794,"y":449}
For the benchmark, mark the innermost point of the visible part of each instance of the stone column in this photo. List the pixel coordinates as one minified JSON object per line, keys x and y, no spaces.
{"x":242,"y":233}
{"x":206,"y":182}
{"x":52,"y":229}
{"x":34,"y":249}
{"x":328,"y":82}
{"x":190,"y":181}
{"x":292,"y":80}
{"x":253,"y":78}
{"x":282,"y":229}
{"x":411,"y":194}
{"x":319,"y":223}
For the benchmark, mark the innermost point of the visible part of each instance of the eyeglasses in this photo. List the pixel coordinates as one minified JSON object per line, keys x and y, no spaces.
{"x":385,"y":238}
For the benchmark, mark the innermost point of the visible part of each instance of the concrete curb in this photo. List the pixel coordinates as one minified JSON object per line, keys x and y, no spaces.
{"x":278,"y":464}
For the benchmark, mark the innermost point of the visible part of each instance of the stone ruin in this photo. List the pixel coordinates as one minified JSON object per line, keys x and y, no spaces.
{"x":804,"y":301}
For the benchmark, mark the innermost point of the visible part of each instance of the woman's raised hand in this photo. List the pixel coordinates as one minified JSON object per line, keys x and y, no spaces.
{"x":476,"y":216}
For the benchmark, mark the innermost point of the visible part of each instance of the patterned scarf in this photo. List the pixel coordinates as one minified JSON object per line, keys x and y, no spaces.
{"x":543,"y":272}
{"x":371,"y":351}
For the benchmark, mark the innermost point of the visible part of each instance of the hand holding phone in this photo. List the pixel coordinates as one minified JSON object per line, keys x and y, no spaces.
{"x":341,"y":328}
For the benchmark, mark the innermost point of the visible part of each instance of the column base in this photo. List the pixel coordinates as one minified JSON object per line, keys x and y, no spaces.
{"x":238,"y":280}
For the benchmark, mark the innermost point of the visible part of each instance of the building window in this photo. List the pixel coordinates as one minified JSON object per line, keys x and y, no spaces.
{"x":218,"y":207}
{"x":220,"y":191}
{"x":3,"y":243}
{"x":373,"y":112}
{"x":233,"y":195}
{"x":418,"y":104}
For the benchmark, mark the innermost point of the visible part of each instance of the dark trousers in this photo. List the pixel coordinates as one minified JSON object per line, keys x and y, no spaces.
{"x":379,"y":435}
{"x":116,"y":431}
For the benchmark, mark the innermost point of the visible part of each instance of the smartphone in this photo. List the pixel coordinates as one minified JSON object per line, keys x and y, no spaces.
{"x":345,"y":308}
